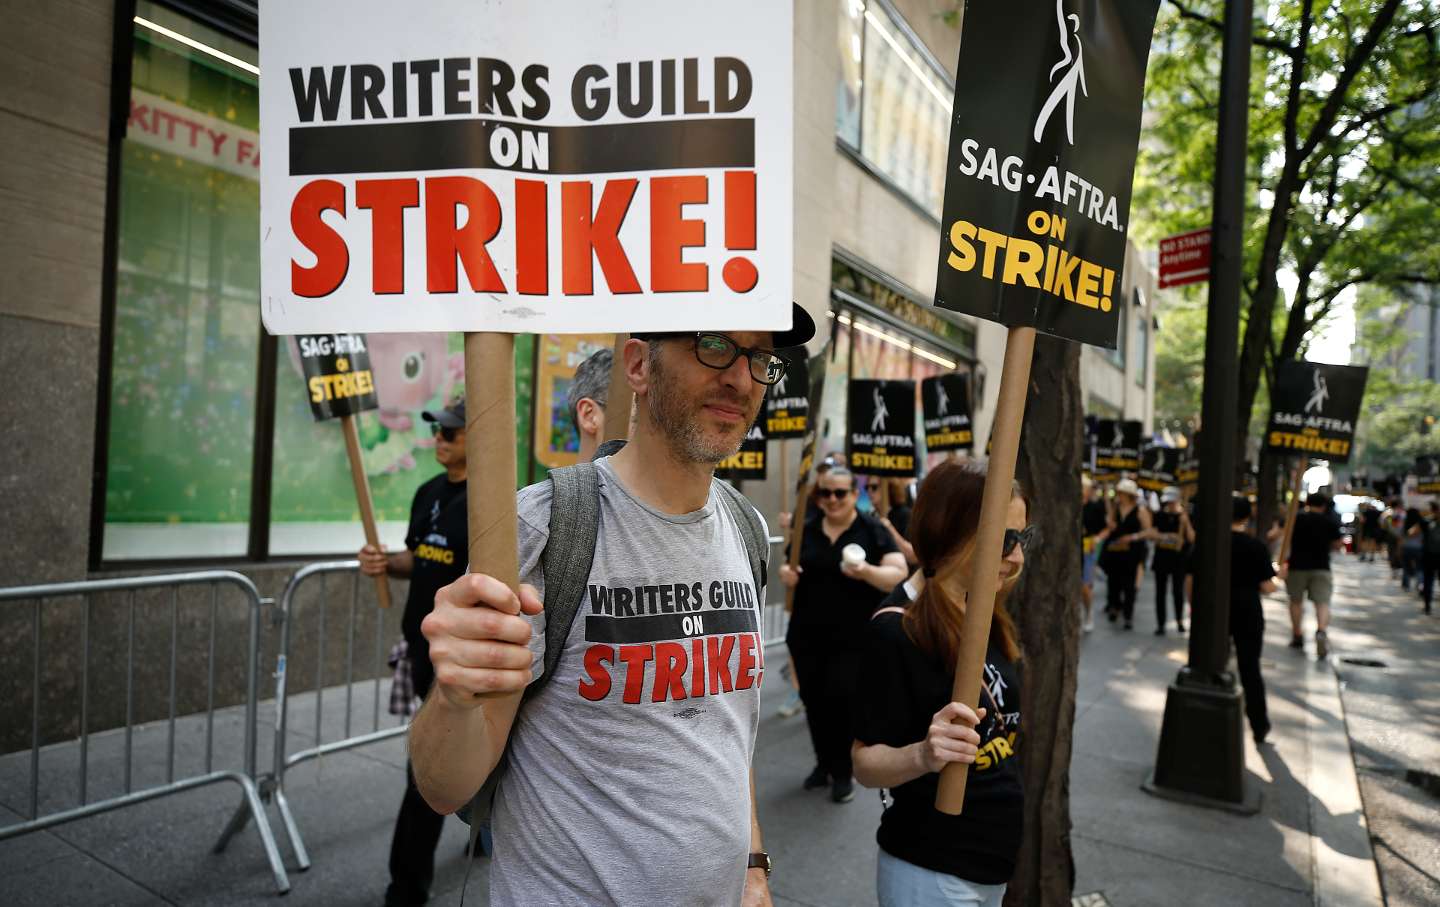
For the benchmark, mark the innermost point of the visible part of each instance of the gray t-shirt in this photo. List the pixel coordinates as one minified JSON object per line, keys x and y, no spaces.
{"x":629,"y":777}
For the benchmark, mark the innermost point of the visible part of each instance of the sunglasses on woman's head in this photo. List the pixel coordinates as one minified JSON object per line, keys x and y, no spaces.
{"x":1023,"y":537}
{"x":445,"y":434}
{"x":837,"y":493}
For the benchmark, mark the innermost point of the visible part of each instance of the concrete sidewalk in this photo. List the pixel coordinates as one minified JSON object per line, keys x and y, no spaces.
{"x":1308,"y":845}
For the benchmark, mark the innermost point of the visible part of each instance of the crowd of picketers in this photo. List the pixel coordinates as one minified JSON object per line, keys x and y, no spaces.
{"x":608,"y":708}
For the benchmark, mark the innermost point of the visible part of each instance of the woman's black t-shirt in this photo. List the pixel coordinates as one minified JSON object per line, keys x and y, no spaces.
{"x":830,"y":607}
{"x":1170,"y":546}
{"x":901,"y":688}
{"x":1121,"y":555}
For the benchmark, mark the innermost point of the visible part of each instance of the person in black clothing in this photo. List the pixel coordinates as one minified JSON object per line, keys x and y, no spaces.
{"x":907,"y":728}
{"x":1094,"y":527}
{"x":1251,"y":574}
{"x":1307,"y":570}
{"x":1124,"y":553}
{"x":1412,"y":548}
{"x":897,"y":519}
{"x":1428,"y":531}
{"x":435,"y":555}
{"x":833,"y":601}
{"x":1173,"y":537}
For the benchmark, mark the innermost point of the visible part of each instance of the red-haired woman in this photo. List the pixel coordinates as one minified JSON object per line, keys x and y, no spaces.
{"x":907,"y":729}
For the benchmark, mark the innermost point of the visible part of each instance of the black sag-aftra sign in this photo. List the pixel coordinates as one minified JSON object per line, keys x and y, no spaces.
{"x":945,"y":401}
{"x":1427,"y":474}
{"x":787,"y":404}
{"x":1117,"y":446}
{"x":881,"y":428}
{"x":1159,"y":468}
{"x":1314,"y":408}
{"x":749,"y":461}
{"x":1042,"y":154}
{"x":338,"y":378}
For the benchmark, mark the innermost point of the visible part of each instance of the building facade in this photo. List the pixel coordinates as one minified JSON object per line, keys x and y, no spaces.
{"x":152,"y":422}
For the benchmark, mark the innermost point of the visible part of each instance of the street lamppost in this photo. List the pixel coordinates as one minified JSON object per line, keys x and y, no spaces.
{"x":1201,"y":757}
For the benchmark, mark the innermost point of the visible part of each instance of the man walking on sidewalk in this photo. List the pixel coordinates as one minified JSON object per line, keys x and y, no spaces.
{"x":1251,"y":575}
{"x":629,"y":772}
{"x":1307,"y":571}
{"x":434,"y":555}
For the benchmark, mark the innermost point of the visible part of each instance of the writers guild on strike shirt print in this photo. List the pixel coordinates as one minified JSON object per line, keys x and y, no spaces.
{"x":672,"y":641}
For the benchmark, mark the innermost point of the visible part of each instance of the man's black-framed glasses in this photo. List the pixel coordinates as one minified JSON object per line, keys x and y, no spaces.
{"x":720,"y":352}
{"x":1025,"y":538}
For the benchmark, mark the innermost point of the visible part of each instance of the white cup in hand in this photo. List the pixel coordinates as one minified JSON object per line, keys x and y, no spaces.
{"x":852,"y":555}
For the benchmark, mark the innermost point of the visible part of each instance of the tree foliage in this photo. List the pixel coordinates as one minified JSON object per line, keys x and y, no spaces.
{"x":1343,"y":162}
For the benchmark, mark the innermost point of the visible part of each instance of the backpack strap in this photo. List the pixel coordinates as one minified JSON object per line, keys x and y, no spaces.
{"x":752,"y":531}
{"x":893,"y":609}
{"x":569,"y":554}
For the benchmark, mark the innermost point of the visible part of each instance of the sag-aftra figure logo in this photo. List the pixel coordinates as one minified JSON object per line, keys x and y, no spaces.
{"x":1072,"y":76}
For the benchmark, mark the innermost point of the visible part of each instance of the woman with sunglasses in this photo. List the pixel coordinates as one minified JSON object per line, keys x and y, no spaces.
{"x":907,"y":728}
{"x":834,"y":599}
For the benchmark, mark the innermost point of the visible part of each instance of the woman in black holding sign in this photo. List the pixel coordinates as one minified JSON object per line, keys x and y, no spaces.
{"x":1173,"y":536}
{"x":907,"y":728}
{"x":1125,"y":552}
{"x":847,"y":564}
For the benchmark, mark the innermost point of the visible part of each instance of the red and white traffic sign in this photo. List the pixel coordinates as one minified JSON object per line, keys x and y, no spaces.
{"x":1185,"y":258}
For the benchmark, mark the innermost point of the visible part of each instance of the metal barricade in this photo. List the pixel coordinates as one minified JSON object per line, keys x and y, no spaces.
{"x":251,"y":805}
{"x":285,"y":615}
{"x":776,"y":621}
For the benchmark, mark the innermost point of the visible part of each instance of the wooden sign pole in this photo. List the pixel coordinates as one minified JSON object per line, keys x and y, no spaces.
{"x":490,"y":457}
{"x":1292,"y":509}
{"x":984,"y":567}
{"x":362,"y":497}
{"x":618,"y":400}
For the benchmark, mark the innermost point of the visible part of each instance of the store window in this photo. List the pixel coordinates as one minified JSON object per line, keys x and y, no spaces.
{"x":184,"y":380}
{"x":1122,"y":337}
{"x":893,"y":101}
{"x":881,"y":331}
{"x":186,"y":331}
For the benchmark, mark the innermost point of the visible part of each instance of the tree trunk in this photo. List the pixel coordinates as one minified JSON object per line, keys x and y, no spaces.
{"x":1047,"y":611}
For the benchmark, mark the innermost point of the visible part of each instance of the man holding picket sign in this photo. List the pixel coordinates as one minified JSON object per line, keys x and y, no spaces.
{"x":664,"y":213}
{"x":603,"y":764}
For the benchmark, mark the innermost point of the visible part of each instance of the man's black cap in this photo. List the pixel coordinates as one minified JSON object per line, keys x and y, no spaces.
{"x":452,"y":416}
{"x":802,"y":329}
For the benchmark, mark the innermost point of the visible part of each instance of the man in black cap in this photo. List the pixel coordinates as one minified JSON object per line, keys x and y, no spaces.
{"x":626,"y":751}
{"x":434,"y":556}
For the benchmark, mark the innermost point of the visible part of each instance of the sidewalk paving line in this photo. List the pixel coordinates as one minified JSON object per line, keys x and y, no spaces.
{"x":1343,"y":861}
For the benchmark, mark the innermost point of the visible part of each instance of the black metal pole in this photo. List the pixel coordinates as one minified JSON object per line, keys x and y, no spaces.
{"x":1201,"y":754}
{"x":1210,"y":643}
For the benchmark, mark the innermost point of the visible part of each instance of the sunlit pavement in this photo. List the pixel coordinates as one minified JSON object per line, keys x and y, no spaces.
{"x":1308,"y":844}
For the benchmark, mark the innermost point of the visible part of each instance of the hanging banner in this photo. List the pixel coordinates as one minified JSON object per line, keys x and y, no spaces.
{"x":338,"y":378}
{"x":749,"y":461}
{"x":946,"y":405}
{"x":1117,"y":446}
{"x":1037,"y":200}
{"x":1314,"y":408}
{"x":787,"y":403}
{"x":881,"y":433}
{"x":1159,"y":468}
{"x":485,"y":169}
{"x":1427,"y":474}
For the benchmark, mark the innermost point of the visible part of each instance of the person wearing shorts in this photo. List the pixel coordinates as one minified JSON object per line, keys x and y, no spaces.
{"x":1307,"y":571}
{"x":1093,"y":527}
